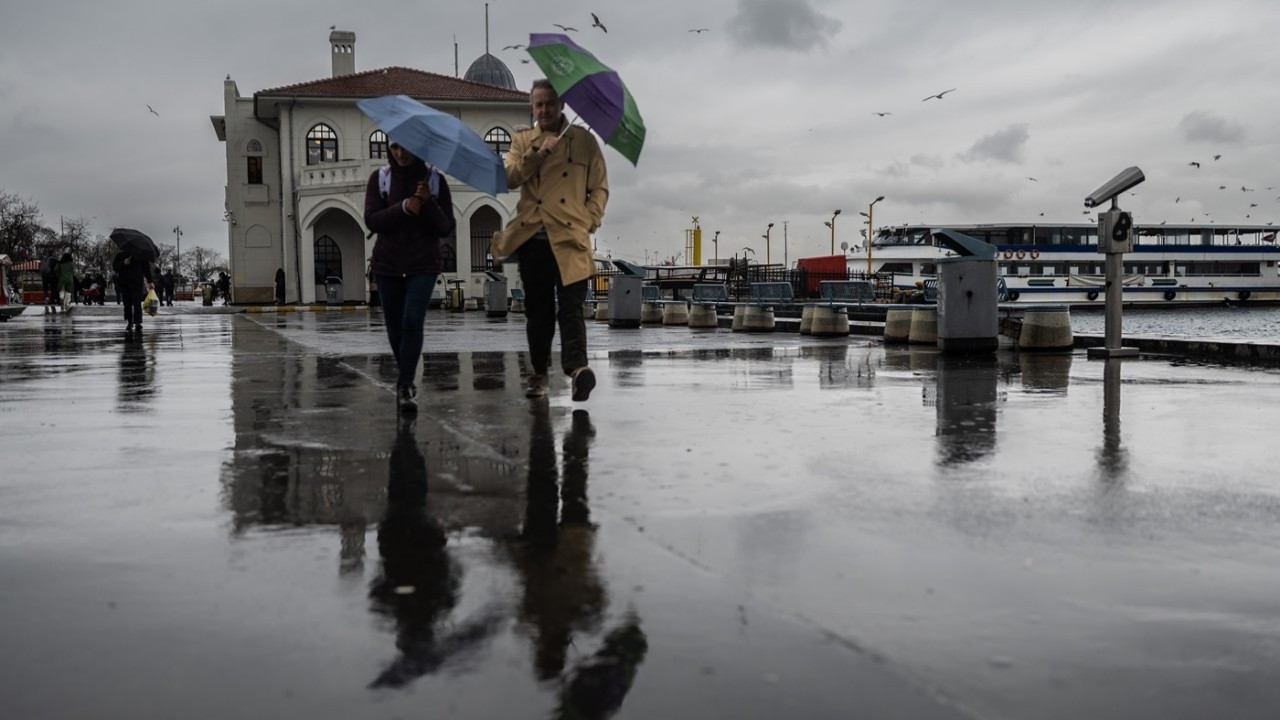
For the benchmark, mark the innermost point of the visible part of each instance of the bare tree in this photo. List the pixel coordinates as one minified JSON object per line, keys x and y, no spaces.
{"x":203,"y":263}
{"x":19,"y":226}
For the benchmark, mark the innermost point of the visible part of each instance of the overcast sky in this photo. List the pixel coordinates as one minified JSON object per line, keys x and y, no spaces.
{"x":766,"y":117}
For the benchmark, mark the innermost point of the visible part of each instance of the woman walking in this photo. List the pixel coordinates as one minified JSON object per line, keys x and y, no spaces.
{"x":409,"y":206}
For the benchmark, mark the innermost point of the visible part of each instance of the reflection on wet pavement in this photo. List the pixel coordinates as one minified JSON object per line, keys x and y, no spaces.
{"x":751,"y":530}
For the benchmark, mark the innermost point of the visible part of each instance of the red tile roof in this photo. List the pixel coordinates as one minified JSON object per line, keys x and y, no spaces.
{"x":398,"y":81}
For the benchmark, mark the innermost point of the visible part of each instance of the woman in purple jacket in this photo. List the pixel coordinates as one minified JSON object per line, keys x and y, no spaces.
{"x":409,"y":206}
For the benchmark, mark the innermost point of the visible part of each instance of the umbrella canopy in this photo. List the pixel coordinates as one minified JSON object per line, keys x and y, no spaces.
{"x":440,"y":139}
{"x":594,"y":91}
{"x":135,"y":243}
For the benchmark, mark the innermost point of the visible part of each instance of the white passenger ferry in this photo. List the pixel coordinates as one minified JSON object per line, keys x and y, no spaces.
{"x":1170,"y":264}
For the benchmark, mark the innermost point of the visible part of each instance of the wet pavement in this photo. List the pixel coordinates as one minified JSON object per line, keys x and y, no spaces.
{"x":223,"y":518}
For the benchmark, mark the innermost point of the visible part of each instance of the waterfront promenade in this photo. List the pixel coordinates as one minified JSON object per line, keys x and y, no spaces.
{"x":225,"y":519}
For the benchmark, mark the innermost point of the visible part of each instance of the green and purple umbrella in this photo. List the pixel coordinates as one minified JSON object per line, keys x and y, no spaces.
{"x":595,"y":92}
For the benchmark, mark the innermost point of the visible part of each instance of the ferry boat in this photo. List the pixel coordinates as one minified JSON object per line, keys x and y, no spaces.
{"x":1170,"y":264}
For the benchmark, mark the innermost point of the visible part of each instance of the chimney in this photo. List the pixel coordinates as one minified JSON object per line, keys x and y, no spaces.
{"x":343,"y":45}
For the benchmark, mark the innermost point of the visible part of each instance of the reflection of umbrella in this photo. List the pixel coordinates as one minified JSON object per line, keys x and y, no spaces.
{"x":440,"y":139}
{"x":135,"y":243}
{"x":595,"y":92}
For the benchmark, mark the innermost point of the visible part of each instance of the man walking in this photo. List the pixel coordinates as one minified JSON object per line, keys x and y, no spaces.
{"x":563,"y":191}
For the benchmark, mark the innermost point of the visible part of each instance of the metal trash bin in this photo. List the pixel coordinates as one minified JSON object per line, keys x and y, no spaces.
{"x":206,"y":295}
{"x":333,"y":289}
{"x":495,"y":295}
{"x":626,"y":296}
{"x":968,"y":314}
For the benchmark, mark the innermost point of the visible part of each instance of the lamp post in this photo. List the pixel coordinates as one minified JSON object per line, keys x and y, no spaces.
{"x":715,"y":244}
{"x":870,"y":230}
{"x":832,"y":225}
{"x":177,"y":235}
{"x":766,"y":242}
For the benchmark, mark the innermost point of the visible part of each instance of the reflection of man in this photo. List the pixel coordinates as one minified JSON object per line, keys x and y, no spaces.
{"x":563,"y":190}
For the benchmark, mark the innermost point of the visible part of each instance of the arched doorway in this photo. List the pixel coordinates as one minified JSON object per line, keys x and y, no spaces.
{"x":485,"y":221}
{"x":337,"y":251}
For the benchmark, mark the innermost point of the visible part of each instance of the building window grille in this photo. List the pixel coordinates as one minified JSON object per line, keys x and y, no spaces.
{"x":500,"y":140}
{"x":328,"y":259}
{"x":322,"y":145}
{"x":253,"y":146}
{"x":378,"y":145}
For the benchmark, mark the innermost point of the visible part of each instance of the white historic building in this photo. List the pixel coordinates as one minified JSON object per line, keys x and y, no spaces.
{"x":299,"y":158}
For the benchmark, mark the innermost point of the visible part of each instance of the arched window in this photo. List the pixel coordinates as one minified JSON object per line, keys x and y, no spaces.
{"x":328,"y":259}
{"x":253,"y":146}
{"x":253,"y":162}
{"x":500,"y":140}
{"x":322,"y":145}
{"x":378,"y":145}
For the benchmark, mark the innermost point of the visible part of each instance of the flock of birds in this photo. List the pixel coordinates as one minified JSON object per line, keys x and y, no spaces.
{"x":595,"y":23}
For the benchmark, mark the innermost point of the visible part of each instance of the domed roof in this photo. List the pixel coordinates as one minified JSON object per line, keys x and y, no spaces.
{"x":490,"y":70}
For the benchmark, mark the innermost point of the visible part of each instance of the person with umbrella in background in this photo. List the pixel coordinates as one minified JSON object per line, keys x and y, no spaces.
{"x":64,"y":275}
{"x":132,"y":264}
{"x":563,"y":191}
{"x":410,"y":208}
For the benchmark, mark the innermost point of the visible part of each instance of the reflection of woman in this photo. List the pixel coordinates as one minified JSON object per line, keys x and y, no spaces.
{"x":600,"y":682}
{"x":419,"y":583}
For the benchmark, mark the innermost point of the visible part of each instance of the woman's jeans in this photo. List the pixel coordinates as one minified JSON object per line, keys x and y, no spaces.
{"x":405,"y":299}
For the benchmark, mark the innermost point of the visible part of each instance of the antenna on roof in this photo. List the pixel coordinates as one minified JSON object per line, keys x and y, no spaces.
{"x":455,"y":56}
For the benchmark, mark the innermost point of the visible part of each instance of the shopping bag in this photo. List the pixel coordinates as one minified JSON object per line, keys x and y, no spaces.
{"x":151,"y":303}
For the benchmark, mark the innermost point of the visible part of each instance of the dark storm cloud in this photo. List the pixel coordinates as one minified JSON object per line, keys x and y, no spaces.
{"x":1004,"y":146}
{"x":781,"y":24}
{"x":1203,"y":126}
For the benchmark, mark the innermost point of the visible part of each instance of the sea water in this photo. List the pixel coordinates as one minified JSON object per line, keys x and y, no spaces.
{"x":1254,"y":323}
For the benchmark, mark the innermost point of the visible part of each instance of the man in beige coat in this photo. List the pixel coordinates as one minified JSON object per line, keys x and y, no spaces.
{"x":563,"y":190}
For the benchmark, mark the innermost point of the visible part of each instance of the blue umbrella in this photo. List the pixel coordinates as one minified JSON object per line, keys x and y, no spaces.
{"x":440,"y":139}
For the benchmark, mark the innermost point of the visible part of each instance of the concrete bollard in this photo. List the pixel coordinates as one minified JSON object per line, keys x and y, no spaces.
{"x":757,"y":319}
{"x":897,"y":326}
{"x":1047,"y":327}
{"x":651,"y":313}
{"x":602,"y":310}
{"x":739,"y":312}
{"x":924,"y":326}
{"x":829,"y":322}
{"x":703,"y":315}
{"x":517,"y":306}
{"x":675,"y":313}
{"x":588,"y":311}
{"x":470,"y":304}
{"x":806,"y":319}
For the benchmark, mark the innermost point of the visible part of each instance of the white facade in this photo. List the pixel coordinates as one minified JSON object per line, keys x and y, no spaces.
{"x":279,"y":220}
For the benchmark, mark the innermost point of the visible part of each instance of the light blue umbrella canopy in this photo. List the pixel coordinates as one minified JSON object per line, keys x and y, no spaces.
{"x":440,"y":139}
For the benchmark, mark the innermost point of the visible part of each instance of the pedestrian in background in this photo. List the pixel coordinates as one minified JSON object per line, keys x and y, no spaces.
{"x":65,"y":277}
{"x":279,"y":286}
{"x":410,"y":208}
{"x":135,"y":279}
{"x":563,"y":190}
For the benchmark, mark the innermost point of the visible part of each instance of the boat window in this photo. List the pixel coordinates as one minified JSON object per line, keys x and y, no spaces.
{"x":928,"y":269}
{"x":900,"y":268}
{"x":1048,"y":236}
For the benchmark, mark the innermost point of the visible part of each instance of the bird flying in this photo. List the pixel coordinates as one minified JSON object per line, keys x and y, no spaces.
{"x":595,"y":22}
{"x":1253,"y":204}
{"x":1194,"y":164}
{"x":1245,"y":189}
{"x":1032,"y":179}
{"x":525,"y":61}
{"x":513,"y":47}
{"x":153,"y":112}
{"x":699,"y":30}
{"x":881,"y":114}
{"x":1177,"y":200}
{"x":939,"y":95}
{"x":1215,"y":157}
{"x":1222,"y":187}
{"x":565,"y":28}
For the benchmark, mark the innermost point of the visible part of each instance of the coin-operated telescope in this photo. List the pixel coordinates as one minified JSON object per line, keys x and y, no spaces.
{"x":1115,"y":237}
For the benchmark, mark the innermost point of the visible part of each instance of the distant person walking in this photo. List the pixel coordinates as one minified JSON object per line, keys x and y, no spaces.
{"x":49,"y":284}
{"x":279,"y":286}
{"x":166,"y":288}
{"x":410,"y":208}
{"x":224,"y":287}
{"x":134,"y":279}
{"x":563,"y":190}
{"x":64,"y":274}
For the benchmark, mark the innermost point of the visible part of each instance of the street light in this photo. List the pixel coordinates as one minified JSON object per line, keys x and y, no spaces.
{"x":832,"y":225}
{"x":870,"y":231}
{"x":715,"y":243}
{"x":177,"y":234}
{"x":766,"y":242}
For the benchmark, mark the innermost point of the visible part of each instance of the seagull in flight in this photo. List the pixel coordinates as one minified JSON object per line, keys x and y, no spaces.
{"x":595,"y":22}
{"x":1222,"y":187}
{"x":565,"y":28}
{"x":1032,"y":179}
{"x":525,"y":61}
{"x":1177,"y":200}
{"x":881,"y":114}
{"x":1245,"y":189}
{"x":939,"y":95}
{"x":513,"y":47}
{"x":153,"y":111}
{"x":699,"y":30}
{"x":1194,"y":164}
{"x":1215,"y":157}
{"x":1253,"y":204}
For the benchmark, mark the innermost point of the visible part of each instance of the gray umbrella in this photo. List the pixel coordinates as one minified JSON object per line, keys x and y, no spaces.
{"x":135,"y":243}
